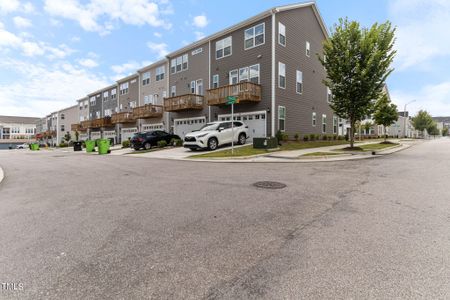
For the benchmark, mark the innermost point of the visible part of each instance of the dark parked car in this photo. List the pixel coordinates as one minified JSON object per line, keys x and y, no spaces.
{"x":150,"y":139}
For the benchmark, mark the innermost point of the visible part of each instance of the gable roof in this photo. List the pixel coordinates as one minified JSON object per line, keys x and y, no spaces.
{"x":18,"y":120}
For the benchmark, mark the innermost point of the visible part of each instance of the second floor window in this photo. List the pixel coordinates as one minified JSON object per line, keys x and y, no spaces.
{"x":62,"y":128}
{"x":281,"y":75}
{"x":160,"y":73}
{"x":105,"y":96}
{"x":254,"y":36}
{"x":281,"y":34}
{"x":92,"y":101}
{"x":173,"y":91}
{"x":308,"y":49}
{"x":215,"y":81}
{"x":146,"y":78}
{"x":223,"y":48}
{"x":62,"y":116}
{"x":123,"y":88}
{"x":113,"y":94}
{"x":299,"y":82}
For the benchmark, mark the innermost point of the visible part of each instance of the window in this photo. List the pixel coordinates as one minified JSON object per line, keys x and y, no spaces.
{"x":308,"y":49}
{"x":62,"y":116}
{"x":234,"y":76}
{"x":146,"y":78}
{"x":123,"y":88}
{"x":324,"y":123}
{"x":215,"y":81}
{"x":173,"y":64}
{"x":192,"y":87}
{"x":281,"y":75}
{"x":62,"y":128}
{"x":335,"y":124}
{"x":254,"y":74}
{"x":223,"y":48}
{"x":254,"y":36}
{"x":197,"y":51}
{"x":179,"y":63}
{"x":113,"y":94}
{"x":97,"y":114}
{"x":299,"y":82}
{"x":105,"y":96}
{"x":108,"y":112}
{"x":243,"y":74}
{"x":314,"y":118}
{"x":199,"y":87}
{"x":92,"y":101}
{"x":329,"y":95}
{"x":173,"y":91}
{"x":160,"y":73}
{"x":281,"y":34}
{"x":185,"y":62}
{"x":281,"y":118}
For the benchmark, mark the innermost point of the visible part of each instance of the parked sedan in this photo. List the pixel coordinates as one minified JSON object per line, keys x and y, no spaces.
{"x":22,"y":146}
{"x":150,"y":139}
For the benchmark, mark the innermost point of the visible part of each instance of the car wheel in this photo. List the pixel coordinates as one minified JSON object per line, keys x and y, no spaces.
{"x":212,"y":144}
{"x":242,"y":139}
{"x":147,"y":146}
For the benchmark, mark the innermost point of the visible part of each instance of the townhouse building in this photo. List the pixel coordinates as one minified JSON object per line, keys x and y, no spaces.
{"x":268,"y":63}
{"x":17,"y":128}
{"x":66,"y":117}
{"x":83,"y":117}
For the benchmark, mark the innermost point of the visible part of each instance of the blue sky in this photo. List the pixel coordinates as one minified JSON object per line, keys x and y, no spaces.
{"x":53,"y":52}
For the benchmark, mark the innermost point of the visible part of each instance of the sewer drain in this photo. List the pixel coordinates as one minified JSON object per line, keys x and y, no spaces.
{"x":269,"y":185}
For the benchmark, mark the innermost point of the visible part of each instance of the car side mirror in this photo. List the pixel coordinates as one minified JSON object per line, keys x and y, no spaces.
{"x":220,"y":129}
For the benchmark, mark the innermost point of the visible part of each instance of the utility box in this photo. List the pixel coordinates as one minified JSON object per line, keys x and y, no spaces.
{"x":265,"y":143}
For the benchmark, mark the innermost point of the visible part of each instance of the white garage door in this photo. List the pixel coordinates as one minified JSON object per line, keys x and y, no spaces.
{"x":256,"y":122}
{"x":150,"y":127}
{"x":95,"y":135}
{"x":109,"y":134}
{"x":183,"y":126}
{"x":127,"y":133}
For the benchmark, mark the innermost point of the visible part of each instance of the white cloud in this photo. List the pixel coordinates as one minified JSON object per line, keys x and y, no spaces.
{"x":422,"y":32}
{"x":88,"y":63}
{"x":8,"y":6}
{"x":75,"y":39}
{"x":128,"y":67}
{"x":159,"y":48}
{"x":157,"y":34}
{"x":28,"y":7}
{"x":100,"y":15}
{"x":36,"y":95}
{"x":21,"y":22}
{"x":200,"y":21}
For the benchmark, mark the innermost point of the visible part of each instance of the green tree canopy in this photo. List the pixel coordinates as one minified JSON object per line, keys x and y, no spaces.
{"x":357,"y":61}
{"x":385,"y":112}
{"x":422,"y":120}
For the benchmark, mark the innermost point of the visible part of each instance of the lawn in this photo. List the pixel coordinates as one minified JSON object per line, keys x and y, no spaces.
{"x":370,"y":147}
{"x":311,"y":144}
{"x":321,"y":153}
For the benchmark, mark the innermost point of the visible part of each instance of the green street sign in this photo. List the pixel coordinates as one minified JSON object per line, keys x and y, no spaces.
{"x":231,"y":100}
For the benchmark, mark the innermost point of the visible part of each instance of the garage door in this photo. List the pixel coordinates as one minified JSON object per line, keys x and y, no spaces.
{"x":183,"y":126}
{"x":256,"y":122}
{"x":95,"y":135}
{"x":150,"y":127}
{"x":127,"y":133}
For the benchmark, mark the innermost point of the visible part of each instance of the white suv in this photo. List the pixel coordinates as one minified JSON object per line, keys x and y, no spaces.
{"x":215,"y":134}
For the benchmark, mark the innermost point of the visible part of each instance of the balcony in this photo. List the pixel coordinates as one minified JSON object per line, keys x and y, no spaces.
{"x":122,"y":117}
{"x":148,"y":111}
{"x":49,"y":133}
{"x":244,"y":91}
{"x":77,"y":127}
{"x":86,"y":124}
{"x":184,"y":102}
{"x":102,"y":122}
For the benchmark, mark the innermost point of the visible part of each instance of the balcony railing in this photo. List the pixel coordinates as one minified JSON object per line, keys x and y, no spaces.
{"x":245,"y":91}
{"x":86,"y":124}
{"x":49,"y":133}
{"x":122,"y":117}
{"x":184,"y":102}
{"x":148,"y":111}
{"x":101,"y":122}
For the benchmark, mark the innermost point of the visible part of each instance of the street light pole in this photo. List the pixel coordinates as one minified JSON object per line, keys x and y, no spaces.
{"x":404,"y":115}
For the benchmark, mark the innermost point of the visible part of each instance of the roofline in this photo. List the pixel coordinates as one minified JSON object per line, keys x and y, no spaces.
{"x":73,"y":106}
{"x":128,"y":77}
{"x":101,"y":90}
{"x":159,"y":62}
{"x":251,"y":20}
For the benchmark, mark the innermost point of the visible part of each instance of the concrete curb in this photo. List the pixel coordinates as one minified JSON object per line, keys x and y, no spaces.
{"x":2,"y":175}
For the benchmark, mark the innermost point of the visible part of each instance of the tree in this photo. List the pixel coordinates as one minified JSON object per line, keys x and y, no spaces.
{"x":385,"y":113}
{"x":433,"y":130}
{"x":357,"y":63}
{"x":67,"y":137}
{"x":422,"y":120}
{"x":445,"y":131}
{"x":77,"y":135}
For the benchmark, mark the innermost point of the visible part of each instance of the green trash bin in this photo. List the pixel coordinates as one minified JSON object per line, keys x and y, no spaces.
{"x":103,"y":146}
{"x":90,"y":146}
{"x":34,"y":146}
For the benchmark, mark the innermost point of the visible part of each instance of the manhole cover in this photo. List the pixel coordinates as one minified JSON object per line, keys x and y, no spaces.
{"x":269,"y":185}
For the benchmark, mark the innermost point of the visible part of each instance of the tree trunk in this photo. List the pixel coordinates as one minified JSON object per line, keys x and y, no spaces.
{"x":385,"y":134}
{"x":352,"y":132}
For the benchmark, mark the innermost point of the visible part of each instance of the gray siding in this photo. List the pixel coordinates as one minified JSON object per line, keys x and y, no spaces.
{"x":109,"y":103}
{"x":243,"y":58}
{"x":132,"y":95}
{"x":301,"y":26}
{"x":95,"y":106}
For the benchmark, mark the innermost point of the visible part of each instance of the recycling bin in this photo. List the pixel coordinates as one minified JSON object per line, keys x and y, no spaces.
{"x":90,"y":146}
{"x":77,"y":146}
{"x":103,"y":146}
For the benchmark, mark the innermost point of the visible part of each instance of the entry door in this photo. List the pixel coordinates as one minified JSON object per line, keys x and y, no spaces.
{"x":199,"y":87}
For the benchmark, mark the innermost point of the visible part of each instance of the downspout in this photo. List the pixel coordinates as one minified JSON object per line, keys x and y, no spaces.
{"x":273,"y":77}
{"x":139,"y":100}
{"x":209,"y":77}
{"x":168,"y":127}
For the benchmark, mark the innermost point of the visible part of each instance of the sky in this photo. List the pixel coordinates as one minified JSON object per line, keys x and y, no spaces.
{"x":53,"y":52}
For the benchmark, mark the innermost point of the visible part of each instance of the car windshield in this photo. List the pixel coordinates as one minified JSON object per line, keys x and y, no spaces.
{"x":209,"y":127}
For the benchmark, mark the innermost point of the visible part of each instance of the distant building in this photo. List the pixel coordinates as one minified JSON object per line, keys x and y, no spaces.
{"x":13,"y":128}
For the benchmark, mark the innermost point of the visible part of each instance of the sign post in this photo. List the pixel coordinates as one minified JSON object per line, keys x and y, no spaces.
{"x":231,"y":100}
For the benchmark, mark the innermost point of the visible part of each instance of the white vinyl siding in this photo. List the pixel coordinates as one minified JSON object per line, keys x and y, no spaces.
{"x":224,"y":47}
{"x":281,"y":34}
{"x":281,"y":75}
{"x":254,"y":36}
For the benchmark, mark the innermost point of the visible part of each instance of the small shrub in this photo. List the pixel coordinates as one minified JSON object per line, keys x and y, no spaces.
{"x":324,"y":137}
{"x":285,"y":137}
{"x":305,"y":138}
{"x":63,"y":145}
{"x":279,"y":135}
{"x":126,"y":144}
{"x":176,"y":142}
{"x":162,"y":144}
{"x":334,"y":137}
{"x":296,"y":137}
{"x":318,"y":136}
{"x":312,"y":137}
{"x":330,"y":137}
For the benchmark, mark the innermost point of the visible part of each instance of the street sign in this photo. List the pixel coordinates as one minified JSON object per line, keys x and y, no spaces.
{"x":232,"y":100}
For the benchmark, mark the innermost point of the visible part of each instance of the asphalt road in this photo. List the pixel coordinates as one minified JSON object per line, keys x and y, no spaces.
{"x":98,"y":227}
